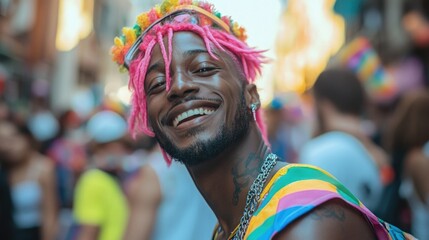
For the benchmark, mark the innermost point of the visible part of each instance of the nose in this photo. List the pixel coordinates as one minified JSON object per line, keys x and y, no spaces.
{"x":181,"y":86}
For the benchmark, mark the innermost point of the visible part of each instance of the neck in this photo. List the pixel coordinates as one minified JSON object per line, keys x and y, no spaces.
{"x":225,"y":180}
{"x":19,"y":164}
{"x":343,"y":122}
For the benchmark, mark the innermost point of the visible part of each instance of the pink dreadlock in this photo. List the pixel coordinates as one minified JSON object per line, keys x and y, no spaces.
{"x":250,"y":60}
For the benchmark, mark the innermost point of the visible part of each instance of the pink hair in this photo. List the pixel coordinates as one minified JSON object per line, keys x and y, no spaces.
{"x":250,"y":60}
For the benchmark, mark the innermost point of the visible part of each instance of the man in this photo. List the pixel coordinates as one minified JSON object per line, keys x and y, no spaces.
{"x":191,"y":73}
{"x":342,"y":146}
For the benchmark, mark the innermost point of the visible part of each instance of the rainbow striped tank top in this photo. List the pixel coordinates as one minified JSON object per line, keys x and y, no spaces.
{"x":298,"y":188}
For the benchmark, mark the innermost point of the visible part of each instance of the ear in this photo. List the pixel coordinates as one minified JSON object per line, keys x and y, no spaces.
{"x":251,"y":94}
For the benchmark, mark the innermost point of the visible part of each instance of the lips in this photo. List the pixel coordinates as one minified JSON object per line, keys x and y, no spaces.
{"x":191,"y":110}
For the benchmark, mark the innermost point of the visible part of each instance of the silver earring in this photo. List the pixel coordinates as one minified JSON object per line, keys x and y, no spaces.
{"x":253,"y":108}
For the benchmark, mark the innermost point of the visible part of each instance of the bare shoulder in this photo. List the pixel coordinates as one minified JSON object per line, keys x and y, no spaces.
{"x":417,"y":167}
{"x":333,"y":220}
{"x":416,"y":160}
{"x":379,"y":155}
{"x":44,"y":166}
{"x":144,"y":188}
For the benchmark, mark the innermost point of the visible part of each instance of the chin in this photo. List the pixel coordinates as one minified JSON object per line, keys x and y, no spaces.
{"x":194,"y":151}
{"x":203,"y":149}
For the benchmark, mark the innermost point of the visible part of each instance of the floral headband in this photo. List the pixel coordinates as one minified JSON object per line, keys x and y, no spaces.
{"x":127,"y":45}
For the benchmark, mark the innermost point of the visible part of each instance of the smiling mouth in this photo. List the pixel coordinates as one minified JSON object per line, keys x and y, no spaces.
{"x":192,"y":114}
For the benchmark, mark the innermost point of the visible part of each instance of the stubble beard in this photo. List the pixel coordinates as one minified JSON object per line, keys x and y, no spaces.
{"x":204,"y":150}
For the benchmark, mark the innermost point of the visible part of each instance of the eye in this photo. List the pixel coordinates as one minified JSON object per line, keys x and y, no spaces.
{"x":157,"y":85}
{"x":205,"y":69}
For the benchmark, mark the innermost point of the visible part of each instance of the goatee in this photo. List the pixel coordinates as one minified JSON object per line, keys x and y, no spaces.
{"x":203,"y":150}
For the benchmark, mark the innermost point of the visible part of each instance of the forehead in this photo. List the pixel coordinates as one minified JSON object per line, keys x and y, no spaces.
{"x":183,"y":42}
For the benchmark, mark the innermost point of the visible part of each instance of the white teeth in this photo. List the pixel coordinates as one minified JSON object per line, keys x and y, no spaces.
{"x":190,"y":113}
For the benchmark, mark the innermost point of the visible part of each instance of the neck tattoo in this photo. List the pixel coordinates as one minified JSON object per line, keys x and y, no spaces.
{"x":253,"y":196}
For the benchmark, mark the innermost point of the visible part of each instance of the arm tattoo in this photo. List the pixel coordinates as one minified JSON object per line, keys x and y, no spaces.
{"x":243,"y":174}
{"x":333,"y":212}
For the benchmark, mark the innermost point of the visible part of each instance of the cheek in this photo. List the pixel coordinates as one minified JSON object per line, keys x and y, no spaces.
{"x":232,"y":94}
{"x":155,"y":106}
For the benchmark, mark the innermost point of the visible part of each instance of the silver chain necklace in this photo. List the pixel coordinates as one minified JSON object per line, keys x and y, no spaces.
{"x":254,"y":194}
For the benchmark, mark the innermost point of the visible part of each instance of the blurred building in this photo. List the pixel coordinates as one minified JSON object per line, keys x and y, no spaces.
{"x":55,"y":53}
{"x":311,"y":33}
{"x":58,"y":50}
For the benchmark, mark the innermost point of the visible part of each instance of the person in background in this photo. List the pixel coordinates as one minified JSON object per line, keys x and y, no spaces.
{"x":6,"y":208}
{"x":69,"y":154}
{"x":287,"y":125}
{"x":4,"y":109}
{"x":408,"y":137}
{"x":276,"y":129}
{"x":100,"y":207}
{"x":415,"y":21}
{"x":342,"y":147}
{"x":158,"y":194}
{"x":32,"y":181}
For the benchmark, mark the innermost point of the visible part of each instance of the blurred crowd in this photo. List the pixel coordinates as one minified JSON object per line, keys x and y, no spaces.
{"x":366,"y":121}
{"x":67,"y":177}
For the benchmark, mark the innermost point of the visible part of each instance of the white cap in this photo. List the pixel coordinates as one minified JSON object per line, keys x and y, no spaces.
{"x":43,"y":125}
{"x":106,"y":126}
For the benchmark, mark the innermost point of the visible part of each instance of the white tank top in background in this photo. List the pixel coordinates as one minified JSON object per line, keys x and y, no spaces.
{"x":345,"y":157}
{"x":183,"y":212}
{"x":27,"y":201}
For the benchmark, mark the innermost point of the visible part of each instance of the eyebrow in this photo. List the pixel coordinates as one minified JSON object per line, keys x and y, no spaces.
{"x":157,"y":65}
{"x":193,"y":52}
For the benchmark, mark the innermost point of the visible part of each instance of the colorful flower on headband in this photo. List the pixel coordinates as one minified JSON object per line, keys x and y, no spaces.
{"x":143,"y":21}
{"x":130,"y":35}
{"x":227,"y":20}
{"x":239,"y":31}
{"x":118,"y":51}
{"x":154,"y":14}
{"x":206,"y":6}
{"x":169,"y":5}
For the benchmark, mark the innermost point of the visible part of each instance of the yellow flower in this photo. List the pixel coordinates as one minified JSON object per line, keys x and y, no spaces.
{"x":143,"y":21}
{"x":239,"y":31}
{"x":158,"y":10}
{"x":118,"y":42}
{"x":168,"y":5}
{"x":130,"y":35}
